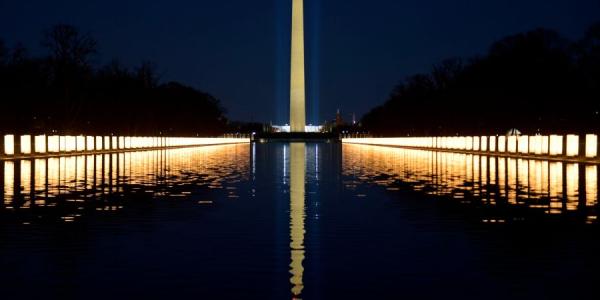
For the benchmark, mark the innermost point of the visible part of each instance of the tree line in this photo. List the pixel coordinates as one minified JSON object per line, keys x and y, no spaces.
{"x":63,"y":92}
{"x":537,"y":82}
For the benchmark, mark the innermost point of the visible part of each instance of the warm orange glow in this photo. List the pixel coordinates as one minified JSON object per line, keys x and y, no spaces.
{"x":99,"y":143}
{"x":57,"y":144}
{"x":89,"y":142}
{"x":40,"y":144}
{"x":493,"y":143}
{"x":572,"y":145}
{"x":80,"y":143}
{"x":9,"y":144}
{"x":297,"y":214}
{"x":591,"y":145}
{"x":484,"y":143}
{"x":511,"y":144}
{"x":26,"y":144}
{"x":556,"y":145}
{"x":531,"y":182}
{"x":523,"y":144}
{"x":502,"y":144}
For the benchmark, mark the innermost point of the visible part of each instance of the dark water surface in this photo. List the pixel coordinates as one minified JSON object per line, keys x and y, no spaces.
{"x":310,"y":221}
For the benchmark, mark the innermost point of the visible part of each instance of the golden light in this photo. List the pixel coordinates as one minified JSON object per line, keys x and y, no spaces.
{"x":502,"y":144}
{"x":523,"y":144}
{"x":572,"y":145}
{"x":591,"y":146}
{"x":99,"y":144}
{"x":512,"y":144}
{"x":9,"y":144}
{"x":40,"y":144}
{"x":26,"y":144}
{"x":89,"y":141}
{"x":484,"y":143}
{"x":556,"y":145}
{"x":54,"y":143}
{"x":493,"y":143}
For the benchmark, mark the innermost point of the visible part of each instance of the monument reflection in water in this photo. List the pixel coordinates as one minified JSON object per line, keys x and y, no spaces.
{"x":295,"y":220}
{"x":297,"y":214}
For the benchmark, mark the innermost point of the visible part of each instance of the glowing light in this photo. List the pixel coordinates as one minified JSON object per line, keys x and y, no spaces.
{"x":591,"y":145}
{"x":523,"y":144}
{"x":572,"y":181}
{"x":89,"y":141}
{"x":9,"y":144}
{"x":493,"y":143}
{"x":80,"y":144}
{"x":512,"y":144}
{"x":545,"y":144}
{"x":536,"y":183}
{"x":40,"y":144}
{"x":556,"y":145}
{"x":26,"y":144}
{"x":99,"y":144}
{"x":70,"y":144}
{"x":591,"y":185}
{"x":572,"y":145}
{"x":54,"y":143}
{"x":297,"y":214}
{"x":501,"y":144}
{"x":535,"y":144}
{"x":297,"y":77}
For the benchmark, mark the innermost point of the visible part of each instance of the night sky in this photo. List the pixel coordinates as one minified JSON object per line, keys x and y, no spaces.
{"x":238,"y":50}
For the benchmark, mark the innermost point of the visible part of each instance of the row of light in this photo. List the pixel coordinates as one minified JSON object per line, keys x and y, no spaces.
{"x":61,"y":144}
{"x":538,"y":145}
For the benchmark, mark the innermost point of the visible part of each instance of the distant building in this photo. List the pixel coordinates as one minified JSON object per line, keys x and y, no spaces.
{"x":339,"y":121}
{"x":307,"y":128}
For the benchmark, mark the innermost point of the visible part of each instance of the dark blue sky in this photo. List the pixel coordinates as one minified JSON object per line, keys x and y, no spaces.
{"x":238,"y":49}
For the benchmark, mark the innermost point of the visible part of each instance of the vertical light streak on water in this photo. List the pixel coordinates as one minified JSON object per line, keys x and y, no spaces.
{"x":26,"y":182}
{"x":572,"y":186}
{"x":9,"y":179}
{"x":297,"y":215}
{"x":285,"y":162}
{"x":317,"y":162}
{"x":40,"y":180}
{"x":253,"y":160}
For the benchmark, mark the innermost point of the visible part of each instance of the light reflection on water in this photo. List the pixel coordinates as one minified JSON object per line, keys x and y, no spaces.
{"x":76,"y":184}
{"x":297,"y":214}
{"x":300,"y":220}
{"x":550,"y":187}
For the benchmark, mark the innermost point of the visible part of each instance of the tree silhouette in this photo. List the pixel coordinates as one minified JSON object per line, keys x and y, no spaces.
{"x":536,"y":81}
{"x":64,"y":93}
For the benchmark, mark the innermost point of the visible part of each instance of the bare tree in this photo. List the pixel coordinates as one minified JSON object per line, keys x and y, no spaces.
{"x":69,"y":46}
{"x":19,"y":54}
{"x":146,"y":73}
{"x":3,"y":52}
{"x":446,"y":72}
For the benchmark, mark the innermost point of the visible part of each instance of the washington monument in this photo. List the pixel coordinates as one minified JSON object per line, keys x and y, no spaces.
{"x":297,"y":84}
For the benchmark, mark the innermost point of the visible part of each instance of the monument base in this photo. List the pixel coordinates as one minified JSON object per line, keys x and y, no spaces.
{"x":297,"y":137}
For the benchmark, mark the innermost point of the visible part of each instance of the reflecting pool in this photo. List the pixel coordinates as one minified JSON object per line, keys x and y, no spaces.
{"x":300,"y":221}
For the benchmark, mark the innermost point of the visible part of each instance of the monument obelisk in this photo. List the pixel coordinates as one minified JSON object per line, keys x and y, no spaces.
{"x":297,"y":84}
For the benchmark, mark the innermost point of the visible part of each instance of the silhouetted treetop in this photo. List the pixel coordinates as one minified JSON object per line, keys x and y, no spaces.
{"x":537,"y":81}
{"x":67,"y":45}
{"x":63,"y":92}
